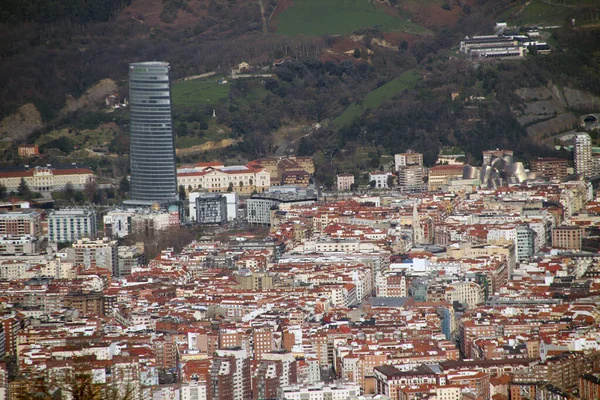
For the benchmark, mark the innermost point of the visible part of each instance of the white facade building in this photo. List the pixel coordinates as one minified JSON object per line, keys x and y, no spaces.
{"x":582,"y":154}
{"x":193,"y":391}
{"x":320,"y":392}
{"x":69,"y":225}
{"x":380,"y":178}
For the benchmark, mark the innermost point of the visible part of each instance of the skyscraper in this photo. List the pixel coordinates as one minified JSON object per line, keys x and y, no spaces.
{"x":152,"y":151}
{"x":582,"y":154}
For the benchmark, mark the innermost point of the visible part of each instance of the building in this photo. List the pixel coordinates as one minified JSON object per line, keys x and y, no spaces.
{"x":408,"y":158}
{"x":441,"y":174}
{"x":469,"y":293}
{"x":410,"y":177}
{"x":46,"y":179}
{"x":292,"y":170}
{"x":193,"y":391}
{"x":215,"y":177}
{"x":211,"y":209}
{"x":550,"y":168}
{"x":345,"y":182}
{"x":152,"y":152}
{"x":525,"y":242}
{"x":85,"y":302}
{"x":232,"y":199}
{"x":321,"y":391}
{"x":19,"y":223}
{"x":234,"y":369}
{"x":102,"y":253}
{"x":120,"y":223}
{"x":589,"y":387}
{"x":68,"y":225}
{"x":489,"y":155}
{"x":380,"y":179}
{"x":28,"y":150}
{"x":129,"y":258}
{"x":19,"y":245}
{"x":567,"y":237}
{"x":260,"y":205}
{"x":582,"y":154}
{"x":492,"y":47}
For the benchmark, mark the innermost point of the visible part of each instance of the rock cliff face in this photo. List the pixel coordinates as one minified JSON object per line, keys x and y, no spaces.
{"x":92,"y":98}
{"x":547,"y":111}
{"x":20,"y":124}
{"x":27,"y":119}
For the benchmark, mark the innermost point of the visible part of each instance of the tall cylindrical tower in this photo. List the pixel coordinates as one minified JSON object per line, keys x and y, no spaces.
{"x":152,"y":151}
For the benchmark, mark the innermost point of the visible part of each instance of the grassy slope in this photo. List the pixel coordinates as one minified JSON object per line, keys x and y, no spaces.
{"x":547,"y":12}
{"x":199,"y":92}
{"x":320,"y":17}
{"x":374,"y":99}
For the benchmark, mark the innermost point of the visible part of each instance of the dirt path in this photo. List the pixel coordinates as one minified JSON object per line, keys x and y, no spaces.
{"x":262,"y":15}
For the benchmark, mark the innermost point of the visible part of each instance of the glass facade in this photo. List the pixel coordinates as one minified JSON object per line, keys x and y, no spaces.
{"x":152,"y":151}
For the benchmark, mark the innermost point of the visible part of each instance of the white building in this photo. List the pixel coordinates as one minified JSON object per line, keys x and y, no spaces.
{"x":69,"y":225}
{"x":345,"y":182}
{"x":193,"y":391}
{"x":121,"y":223}
{"x":380,"y":178}
{"x":345,"y":391}
{"x":24,"y":244}
{"x":102,"y":253}
{"x":469,"y":293}
{"x":408,"y":158}
{"x":582,"y":154}
{"x":215,"y":177}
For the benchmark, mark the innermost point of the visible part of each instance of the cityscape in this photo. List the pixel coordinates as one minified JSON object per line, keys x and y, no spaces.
{"x":358,"y":257}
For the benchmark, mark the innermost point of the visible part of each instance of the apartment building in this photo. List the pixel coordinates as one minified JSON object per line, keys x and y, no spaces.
{"x":550,"y":168}
{"x":19,"y":223}
{"x":68,"y":225}
{"x":567,"y":237}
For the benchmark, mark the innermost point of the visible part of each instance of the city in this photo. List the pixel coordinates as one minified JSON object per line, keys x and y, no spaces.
{"x":300,"y":200}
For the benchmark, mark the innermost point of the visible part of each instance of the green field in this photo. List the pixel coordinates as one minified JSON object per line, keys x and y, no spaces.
{"x":199,"y":92}
{"x":545,"y":12}
{"x":374,"y":99}
{"x":330,"y":17}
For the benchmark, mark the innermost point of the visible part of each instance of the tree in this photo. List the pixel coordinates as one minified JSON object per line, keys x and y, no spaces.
{"x":372,"y":183}
{"x":124,"y":185}
{"x":390,"y":181}
{"x":356,"y":53}
{"x":23,"y":189}
{"x":68,"y":191}
{"x":181,"y":192}
{"x":3,"y":191}
{"x":79,"y":387}
{"x":89,"y":190}
{"x":230,"y":187}
{"x":353,"y":187}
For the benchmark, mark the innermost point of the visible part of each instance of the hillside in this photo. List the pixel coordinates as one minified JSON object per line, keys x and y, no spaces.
{"x":373,"y":77}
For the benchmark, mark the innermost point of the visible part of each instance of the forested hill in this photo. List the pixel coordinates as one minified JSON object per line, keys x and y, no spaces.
{"x":58,"y":11}
{"x":374,"y":77}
